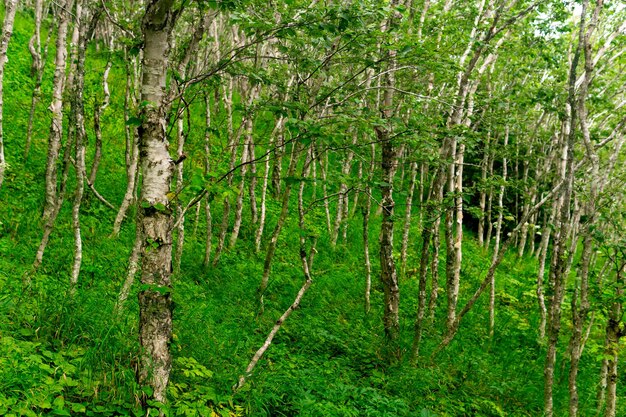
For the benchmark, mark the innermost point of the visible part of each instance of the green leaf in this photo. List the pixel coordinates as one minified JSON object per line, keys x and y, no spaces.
{"x":133,"y":121}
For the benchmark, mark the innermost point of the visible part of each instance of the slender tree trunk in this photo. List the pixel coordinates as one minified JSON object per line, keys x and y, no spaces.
{"x":560,"y":258}
{"x":85,"y":32}
{"x":97,"y":126}
{"x":307,"y":263}
{"x":178,"y":173}
{"x":53,"y":196}
{"x":131,"y":154}
{"x":266,"y":176}
{"x":581,"y":308}
{"x":496,"y":248}
{"x":434,"y":270}
{"x":407,"y":218}
{"x":323,"y":168}
{"x":388,"y":273}
{"x":487,"y":241}
{"x":7,"y":30}
{"x":207,"y":169}
{"x":484,"y":167}
{"x":133,"y":266}
{"x":342,"y":200}
{"x":246,"y":158}
{"x":367,"y":209}
{"x":39,"y":62}
{"x":56,"y":107}
{"x":273,"y":243}
{"x":543,"y":254}
{"x":233,"y":143}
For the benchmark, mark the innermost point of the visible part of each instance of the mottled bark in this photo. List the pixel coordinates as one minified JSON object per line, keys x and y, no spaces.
{"x":97,"y":126}
{"x":560,"y":261}
{"x":155,"y":306}
{"x":86,"y":30}
{"x":56,"y":107}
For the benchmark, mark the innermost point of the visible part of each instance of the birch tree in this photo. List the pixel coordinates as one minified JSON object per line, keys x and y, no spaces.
{"x":155,"y":218}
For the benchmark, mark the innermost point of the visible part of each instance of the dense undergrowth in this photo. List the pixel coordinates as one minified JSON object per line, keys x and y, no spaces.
{"x":63,"y":354}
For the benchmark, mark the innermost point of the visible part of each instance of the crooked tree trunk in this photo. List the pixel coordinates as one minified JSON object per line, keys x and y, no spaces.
{"x":155,"y":306}
{"x":307,"y":262}
{"x":7,"y":31}
{"x":273,"y":243}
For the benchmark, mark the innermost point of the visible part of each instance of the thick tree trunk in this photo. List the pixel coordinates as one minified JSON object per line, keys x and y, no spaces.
{"x":7,"y":31}
{"x":155,"y":306}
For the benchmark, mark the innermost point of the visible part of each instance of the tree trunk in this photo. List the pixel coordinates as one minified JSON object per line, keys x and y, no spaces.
{"x":273,"y":243}
{"x":97,"y":127}
{"x":155,"y":306}
{"x":131,"y":154}
{"x":56,"y":107}
{"x":39,"y":61}
{"x":496,"y":247}
{"x":85,"y":32}
{"x":207,"y":169}
{"x":407,"y":218}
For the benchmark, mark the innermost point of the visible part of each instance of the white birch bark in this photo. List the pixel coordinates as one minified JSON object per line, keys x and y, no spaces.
{"x":155,"y":306}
